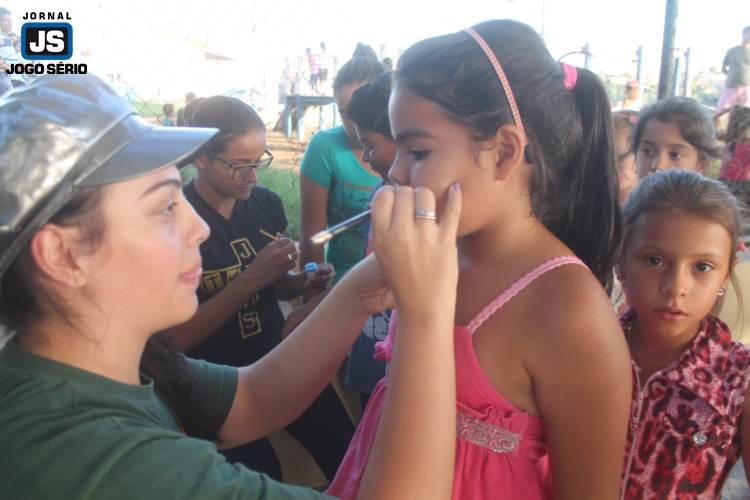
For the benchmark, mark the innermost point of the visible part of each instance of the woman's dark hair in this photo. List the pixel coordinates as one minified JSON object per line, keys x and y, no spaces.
{"x":230,"y":115}
{"x":738,"y":127}
{"x":574,"y":190}
{"x":168,"y":109}
{"x":368,"y":107}
{"x":190,"y":109}
{"x":363,"y":50}
{"x":358,"y":70}
{"x":690,"y":193}
{"x":693,"y":121}
{"x":23,"y":299}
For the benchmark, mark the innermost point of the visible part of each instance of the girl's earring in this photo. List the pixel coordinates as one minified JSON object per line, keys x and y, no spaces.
{"x":722,"y":291}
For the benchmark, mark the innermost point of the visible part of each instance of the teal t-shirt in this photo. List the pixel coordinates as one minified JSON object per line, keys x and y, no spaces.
{"x":330,"y":162}
{"x":72,"y":434}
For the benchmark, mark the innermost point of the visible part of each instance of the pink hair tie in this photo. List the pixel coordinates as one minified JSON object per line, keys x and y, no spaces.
{"x":570,"y":76}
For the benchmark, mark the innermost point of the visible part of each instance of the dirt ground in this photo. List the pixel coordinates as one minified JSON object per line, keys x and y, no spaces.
{"x":287,"y":152}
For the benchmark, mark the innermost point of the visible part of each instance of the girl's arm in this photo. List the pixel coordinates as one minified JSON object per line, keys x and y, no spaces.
{"x":745,"y":434}
{"x":314,"y":218}
{"x":582,"y":382}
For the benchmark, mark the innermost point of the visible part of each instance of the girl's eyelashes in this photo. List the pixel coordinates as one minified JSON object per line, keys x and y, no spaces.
{"x":653,"y":260}
{"x":418,"y":154}
{"x":675,"y":155}
{"x":704,"y":267}
{"x":646,"y":150}
{"x":657,"y":261}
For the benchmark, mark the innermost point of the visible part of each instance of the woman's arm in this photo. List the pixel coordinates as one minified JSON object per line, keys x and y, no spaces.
{"x":582,"y":382}
{"x":413,"y":453}
{"x":275,"y":390}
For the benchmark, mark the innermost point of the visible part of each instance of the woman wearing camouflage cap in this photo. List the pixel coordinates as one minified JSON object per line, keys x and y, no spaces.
{"x":99,"y":250}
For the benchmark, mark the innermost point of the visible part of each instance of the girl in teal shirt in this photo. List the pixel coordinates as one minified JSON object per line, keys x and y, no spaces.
{"x":335,"y":183}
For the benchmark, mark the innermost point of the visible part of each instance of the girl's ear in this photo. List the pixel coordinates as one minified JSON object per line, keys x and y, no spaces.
{"x":509,"y":147}
{"x":702,"y":166}
{"x":619,"y":273}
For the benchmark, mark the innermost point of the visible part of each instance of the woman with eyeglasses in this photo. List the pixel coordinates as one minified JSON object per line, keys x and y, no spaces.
{"x":246,"y":270}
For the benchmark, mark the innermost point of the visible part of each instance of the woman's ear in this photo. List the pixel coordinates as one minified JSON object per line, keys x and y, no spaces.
{"x":509,"y":146}
{"x":54,"y":249}
{"x":201,"y":162}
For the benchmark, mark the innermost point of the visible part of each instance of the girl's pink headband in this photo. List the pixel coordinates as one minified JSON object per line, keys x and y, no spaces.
{"x":503,"y":80}
{"x":570,"y":77}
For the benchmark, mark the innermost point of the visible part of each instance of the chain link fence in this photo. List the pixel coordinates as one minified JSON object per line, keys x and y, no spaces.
{"x":152,"y":54}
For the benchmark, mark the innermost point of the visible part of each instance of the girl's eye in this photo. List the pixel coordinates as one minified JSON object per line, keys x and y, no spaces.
{"x":418,"y":154}
{"x":704,"y":267}
{"x":647,"y":151}
{"x":676,"y":156}
{"x":653,"y":260}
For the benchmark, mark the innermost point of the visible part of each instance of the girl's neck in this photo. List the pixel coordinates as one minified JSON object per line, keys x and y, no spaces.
{"x":222,"y":204}
{"x":508,"y":240}
{"x":653,"y":352}
{"x":104,"y":351}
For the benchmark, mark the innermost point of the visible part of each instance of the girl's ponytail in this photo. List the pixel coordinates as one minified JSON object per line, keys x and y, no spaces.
{"x":593,"y":216}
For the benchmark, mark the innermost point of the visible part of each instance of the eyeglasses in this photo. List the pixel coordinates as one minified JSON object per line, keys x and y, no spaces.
{"x":244,"y":168}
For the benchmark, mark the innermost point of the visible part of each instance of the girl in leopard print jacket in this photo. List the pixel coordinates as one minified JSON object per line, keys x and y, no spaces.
{"x":690,"y":379}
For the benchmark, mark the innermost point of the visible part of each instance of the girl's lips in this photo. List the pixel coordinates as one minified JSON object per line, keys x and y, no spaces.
{"x":670,"y":314}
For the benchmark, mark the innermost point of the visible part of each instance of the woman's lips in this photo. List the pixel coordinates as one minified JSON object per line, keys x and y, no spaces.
{"x":193,"y":276}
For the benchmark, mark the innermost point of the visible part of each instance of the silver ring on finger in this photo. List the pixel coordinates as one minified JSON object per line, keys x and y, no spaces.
{"x":425,"y":214}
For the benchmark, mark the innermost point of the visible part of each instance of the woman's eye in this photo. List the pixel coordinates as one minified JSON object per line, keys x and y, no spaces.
{"x":169,"y":209}
{"x":676,"y":156}
{"x":647,"y":151}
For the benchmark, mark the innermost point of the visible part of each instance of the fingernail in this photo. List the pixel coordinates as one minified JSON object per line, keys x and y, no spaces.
{"x":456,"y":187}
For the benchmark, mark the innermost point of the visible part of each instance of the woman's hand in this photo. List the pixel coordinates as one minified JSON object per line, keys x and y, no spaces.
{"x":321,"y":279}
{"x":417,"y":253}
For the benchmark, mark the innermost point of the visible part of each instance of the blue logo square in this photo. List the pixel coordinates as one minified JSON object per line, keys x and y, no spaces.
{"x":47,"y":41}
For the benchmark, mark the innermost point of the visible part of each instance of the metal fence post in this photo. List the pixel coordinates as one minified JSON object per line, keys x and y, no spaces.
{"x":666,"y":74}
{"x":686,"y":78}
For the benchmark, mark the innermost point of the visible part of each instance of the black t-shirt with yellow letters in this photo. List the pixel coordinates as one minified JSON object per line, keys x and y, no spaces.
{"x":233,"y":244}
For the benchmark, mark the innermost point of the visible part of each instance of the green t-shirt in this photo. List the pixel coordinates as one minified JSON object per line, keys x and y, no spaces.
{"x":70,"y":434}
{"x":330,"y":162}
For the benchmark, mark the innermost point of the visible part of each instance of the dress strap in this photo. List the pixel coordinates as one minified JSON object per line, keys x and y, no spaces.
{"x":518,"y":286}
